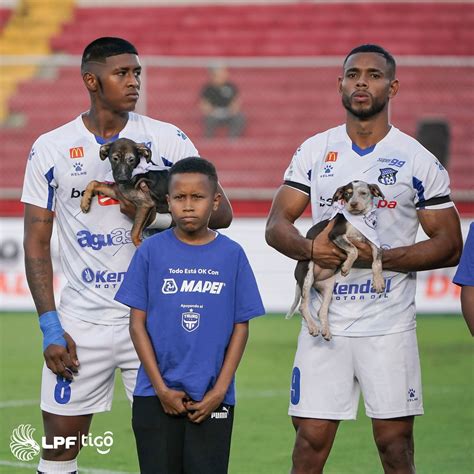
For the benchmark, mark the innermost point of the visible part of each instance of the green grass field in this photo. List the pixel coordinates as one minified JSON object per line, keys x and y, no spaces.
{"x":263,"y":435}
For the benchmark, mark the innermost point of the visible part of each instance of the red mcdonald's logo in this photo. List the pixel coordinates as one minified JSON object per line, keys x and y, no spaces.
{"x":76,"y":152}
{"x":331,"y":156}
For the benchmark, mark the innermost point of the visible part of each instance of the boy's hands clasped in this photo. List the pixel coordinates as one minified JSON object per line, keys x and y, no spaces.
{"x":178,"y":403}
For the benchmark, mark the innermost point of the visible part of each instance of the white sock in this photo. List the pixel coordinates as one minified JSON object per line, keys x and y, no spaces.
{"x":57,"y":467}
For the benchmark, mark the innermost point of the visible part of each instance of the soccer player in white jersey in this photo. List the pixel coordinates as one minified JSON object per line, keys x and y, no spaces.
{"x":374,"y":348}
{"x":87,"y":337}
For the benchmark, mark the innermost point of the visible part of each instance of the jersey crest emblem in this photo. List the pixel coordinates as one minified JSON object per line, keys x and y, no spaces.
{"x":190,"y":320}
{"x":387,"y":176}
{"x":169,"y":286}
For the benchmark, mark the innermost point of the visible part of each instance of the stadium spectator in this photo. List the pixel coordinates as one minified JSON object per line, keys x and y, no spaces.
{"x":192,"y":293}
{"x":464,"y":277}
{"x":220,"y":104}
{"x":87,"y":338}
{"x":374,"y":347}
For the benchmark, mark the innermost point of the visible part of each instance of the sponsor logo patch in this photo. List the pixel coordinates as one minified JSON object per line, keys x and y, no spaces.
{"x":102,"y":278}
{"x":331,"y":156}
{"x":106,"y":200}
{"x":76,"y":152}
{"x":117,"y":236}
{"x":78,"y":169}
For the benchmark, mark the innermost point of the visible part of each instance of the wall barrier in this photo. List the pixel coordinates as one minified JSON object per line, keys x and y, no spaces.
{"x":274,"y":272}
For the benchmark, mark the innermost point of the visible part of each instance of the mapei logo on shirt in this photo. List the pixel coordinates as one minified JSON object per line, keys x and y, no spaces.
{"x":192,"y":286}
{"x":387,"y":176}
{"x":331,"y":156}
{"x":190,"y":320}
{"x":102,"y":278}
{"x":76,"y":152}
{"x":117,"y":236}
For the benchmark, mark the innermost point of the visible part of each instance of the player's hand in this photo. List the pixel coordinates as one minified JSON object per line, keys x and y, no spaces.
{"x":325,"y":253}
{"x":200,"y":411}
{"x":364,"y":259}
{"x":126,"y":206}
{"x":61,"y":360}
{"x":173,"y":401}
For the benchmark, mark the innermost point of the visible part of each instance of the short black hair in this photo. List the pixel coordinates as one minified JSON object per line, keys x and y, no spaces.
{"x":195,"y":164}
{"x":375,"y":48}
{"x":102,"y":48}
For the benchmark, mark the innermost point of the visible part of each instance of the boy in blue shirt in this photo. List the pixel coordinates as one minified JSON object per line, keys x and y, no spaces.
{"x":464,"y":278}
{"x":192,"y":292}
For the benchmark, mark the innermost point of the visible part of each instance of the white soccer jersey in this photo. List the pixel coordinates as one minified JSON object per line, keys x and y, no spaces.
{"x":96,"y":247}
{"x":410,"y":178}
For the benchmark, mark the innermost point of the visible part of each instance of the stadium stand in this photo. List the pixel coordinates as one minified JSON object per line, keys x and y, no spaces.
{"x":283,"y":105}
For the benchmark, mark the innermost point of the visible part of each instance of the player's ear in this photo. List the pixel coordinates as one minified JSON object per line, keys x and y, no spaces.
{"x":104,"y":151}
{"x":90,"y":80}
{"x":144,"y":151}
{"x":376,"y":191}
{"x":217,"y":201}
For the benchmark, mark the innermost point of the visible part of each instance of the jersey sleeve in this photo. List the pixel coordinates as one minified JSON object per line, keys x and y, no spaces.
{"x":133,"y":291}
{"x":298,"y":173}
{"x":176,"y":146}
{"x":465,"y":272}
{"x":39,"y":186}
{"x":248,"y":302}
{"x":430,"y":182}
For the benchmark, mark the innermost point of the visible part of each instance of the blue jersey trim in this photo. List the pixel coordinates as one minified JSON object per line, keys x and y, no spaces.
{"x":49,"y":177}
{"x":420,"y":189}
{"x":103,"y":141}
{"x":362,"y":151}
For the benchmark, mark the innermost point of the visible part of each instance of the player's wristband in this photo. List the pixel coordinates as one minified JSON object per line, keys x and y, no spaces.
{"x":53,"y":332}
{"x":161,"y":222}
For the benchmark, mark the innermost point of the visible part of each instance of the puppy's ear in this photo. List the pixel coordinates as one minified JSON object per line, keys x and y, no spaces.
{"x":376,"y":191}
{"x":104,"y":151}
{"x":144,"y":151}
{"x":338,"y":194}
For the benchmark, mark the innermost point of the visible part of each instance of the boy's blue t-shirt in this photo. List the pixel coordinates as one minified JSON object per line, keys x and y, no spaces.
{"x":465,"y":272}
{"x":193,"y":295}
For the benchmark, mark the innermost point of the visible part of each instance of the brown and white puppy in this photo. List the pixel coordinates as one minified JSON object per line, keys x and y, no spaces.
{"x":358,"y":200}
{"x":124,"y":156}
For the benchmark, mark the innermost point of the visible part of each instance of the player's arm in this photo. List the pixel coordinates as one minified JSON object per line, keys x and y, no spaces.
{"x":200,"y":411}
{"x":467,"y":306}
{"x":222,"y":217}
{"x":281,"y":233}
{"x":59,"y":347}
{"x":442,"y":249}
{"x":171,"y":400}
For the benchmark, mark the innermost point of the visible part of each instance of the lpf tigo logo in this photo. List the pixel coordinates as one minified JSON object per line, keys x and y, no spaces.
{"x":24,"y":447}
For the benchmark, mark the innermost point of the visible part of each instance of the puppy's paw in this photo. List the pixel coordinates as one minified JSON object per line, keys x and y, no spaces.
{"x":378,"y":284}
{"x":85,"y":206}
{"x":312,"y":327}
{"x":345,"y":269}
{"x":326,"y":333}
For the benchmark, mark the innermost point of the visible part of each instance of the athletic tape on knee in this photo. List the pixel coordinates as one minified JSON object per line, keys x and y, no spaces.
{"x":53,"y":332}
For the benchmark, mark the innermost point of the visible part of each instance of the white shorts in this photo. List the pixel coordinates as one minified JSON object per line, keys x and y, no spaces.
{"x":328,"y":376}
{"x":100,"y":349}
